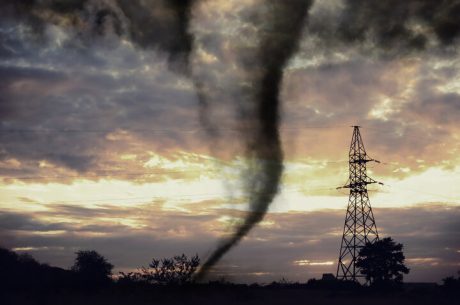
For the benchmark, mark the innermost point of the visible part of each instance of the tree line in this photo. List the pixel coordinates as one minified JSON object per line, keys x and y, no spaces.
{"x":90,"y":271}
{"x":382,"y":264}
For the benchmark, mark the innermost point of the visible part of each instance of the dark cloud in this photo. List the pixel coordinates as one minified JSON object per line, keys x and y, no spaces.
{"x":158,"y":24}
{"x":433,"y":106}
{"x":24,"y":222}
{"x":161,"y":23}
{"x":44,"y":107}
{"x":75,"y":78}
{"x":74,"y":98}
{"x":392,"y":27}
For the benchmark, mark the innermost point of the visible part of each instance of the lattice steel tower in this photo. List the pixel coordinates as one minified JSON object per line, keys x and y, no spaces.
{"x":359,"y":227}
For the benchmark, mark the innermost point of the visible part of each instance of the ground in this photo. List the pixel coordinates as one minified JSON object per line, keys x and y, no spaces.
{"x":231,"y":295}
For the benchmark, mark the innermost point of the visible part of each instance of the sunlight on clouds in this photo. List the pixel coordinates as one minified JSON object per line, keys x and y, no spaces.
{"x":180,"y":161}
{"x":451,"y":87}
{"x":267,"y":223}
{"x":27,"y":249}
{"x":383,"y":110}
{"x":404,"y":82}
{"x":297,"y":201}
{"x":10,"y":164}
{"x":259,"y":273}
{"x":432,"y":185}
{"x":206,"y":57}
{"x":125,"y":221}
{"x":122,"y":193}
{"x":49,"y":233}
{"x":336,"y":232}
{"x":307,"y":186}
{"x":178,"y":232}
{"x":435,"y":184}
{"x":229,"y":219}
{"x":118,"y":135}
{"x":128,"y":157}
{"x":327,"y":263}
{"x":306,"y":262}
{"x":45,"y":164}
{"x":431,"y":261}
{"x":451,"y":84}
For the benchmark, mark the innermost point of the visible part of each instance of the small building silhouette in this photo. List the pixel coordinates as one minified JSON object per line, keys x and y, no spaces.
{"x":328,"y":277}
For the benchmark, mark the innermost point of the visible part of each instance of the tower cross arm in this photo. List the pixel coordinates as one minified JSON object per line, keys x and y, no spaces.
{"x":362,"y":160}
{"x":359,"y":184}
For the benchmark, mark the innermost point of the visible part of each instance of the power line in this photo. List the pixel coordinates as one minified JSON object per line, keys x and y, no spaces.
{"x":95,"y":130}
{"x":204,"y":195}
{"x":190,"y":130}
{"x":134,"y":198}
{"x":422,"y":192}
{"x":200,"y":195}
{"x":109,"y":173}
{"x":185,"y":130}
{"x":392,"y":164}
{"x":113,"y":174}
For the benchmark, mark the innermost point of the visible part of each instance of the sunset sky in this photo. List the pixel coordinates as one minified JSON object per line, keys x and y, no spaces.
{"x":102,"y":145}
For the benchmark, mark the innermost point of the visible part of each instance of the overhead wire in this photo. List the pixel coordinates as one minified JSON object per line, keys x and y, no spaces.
{"x":188,"y":130}
{"x":92,"y":176}
{"x":392,"y":164}
{"x":418,"y":191}
{"x":116,"y":173}
{"x":153,"y":197}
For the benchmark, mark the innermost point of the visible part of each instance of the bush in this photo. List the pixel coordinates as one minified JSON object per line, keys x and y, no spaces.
{"x":178,"y":270}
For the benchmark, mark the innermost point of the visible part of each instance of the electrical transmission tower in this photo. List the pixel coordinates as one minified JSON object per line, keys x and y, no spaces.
{"x":359,"y":227}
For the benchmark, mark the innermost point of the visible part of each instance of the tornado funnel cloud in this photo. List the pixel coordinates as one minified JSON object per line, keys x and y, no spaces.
{"x":279,"y":33}
{"x":269,"y":173}
{"x":164,"y":25}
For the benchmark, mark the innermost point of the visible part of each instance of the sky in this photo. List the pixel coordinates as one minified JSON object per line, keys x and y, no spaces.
{"x":123,"y":133}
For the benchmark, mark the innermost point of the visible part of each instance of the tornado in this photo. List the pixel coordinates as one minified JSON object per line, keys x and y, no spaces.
{"x":279,"y":35}
{"x":164,"y":25}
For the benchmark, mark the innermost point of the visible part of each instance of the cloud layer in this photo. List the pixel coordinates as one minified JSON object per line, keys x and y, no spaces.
{"x":297,"y":246}
{"x":125,"y":99}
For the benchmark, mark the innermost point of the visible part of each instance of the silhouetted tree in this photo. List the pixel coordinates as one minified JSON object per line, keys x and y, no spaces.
{"x":452,"y":283}
{"x":177,"y":270}
{"x":17,"y":271}
{"x":382,"y":262}
{"x":92,"y":268}
{"x":23,"y":272}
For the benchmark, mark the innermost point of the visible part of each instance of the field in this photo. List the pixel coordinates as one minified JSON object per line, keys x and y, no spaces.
{"x":231,"y":294}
